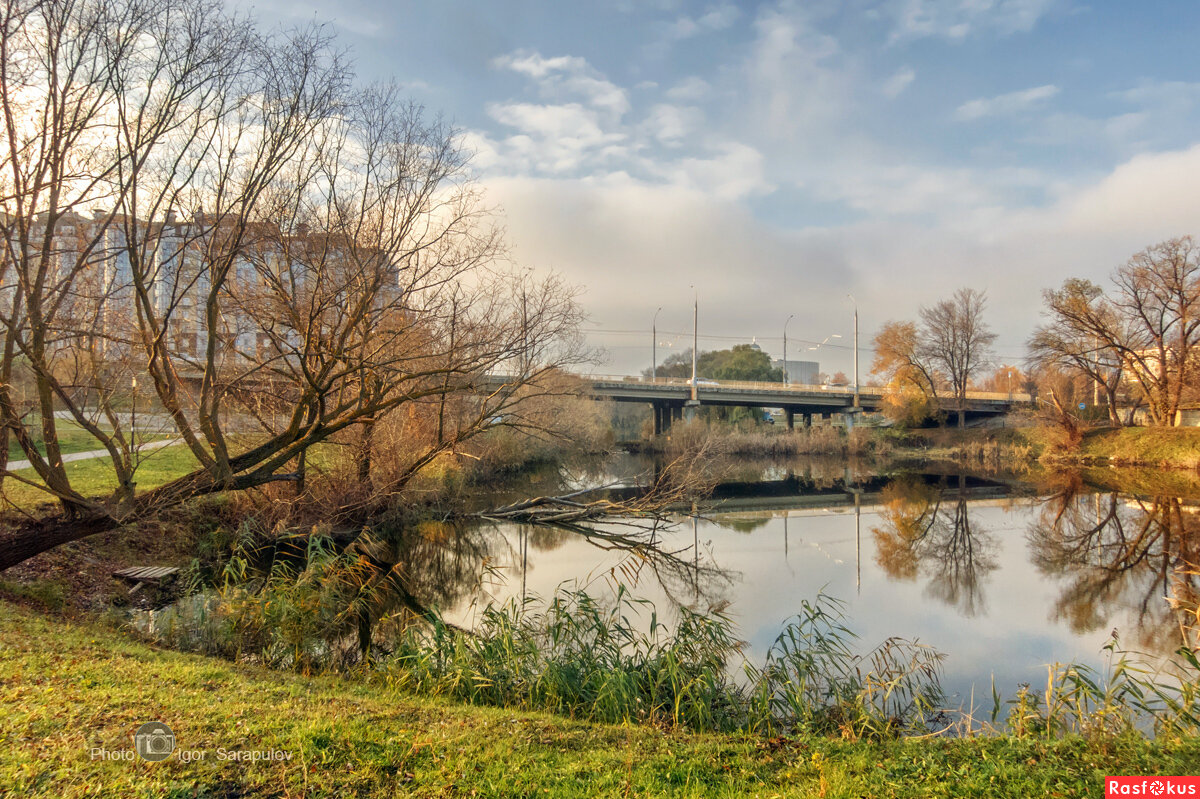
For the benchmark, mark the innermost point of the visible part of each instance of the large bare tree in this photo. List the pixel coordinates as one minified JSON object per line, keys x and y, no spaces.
{"x":219,"y":221}
{"x":1144,"y":335}
{"x":946,"y":352}
{"x":957,"y":342}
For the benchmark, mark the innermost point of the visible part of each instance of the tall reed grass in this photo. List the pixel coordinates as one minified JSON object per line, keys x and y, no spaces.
{"x":619,"y":661}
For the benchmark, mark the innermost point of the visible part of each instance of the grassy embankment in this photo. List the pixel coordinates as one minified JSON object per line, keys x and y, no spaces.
{"x":1161,"y":447}
{"x":66,"y":688}
{"x":1153,"y":447}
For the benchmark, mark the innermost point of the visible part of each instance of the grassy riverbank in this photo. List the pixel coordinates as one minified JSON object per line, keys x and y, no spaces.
{"x":67,"y":688}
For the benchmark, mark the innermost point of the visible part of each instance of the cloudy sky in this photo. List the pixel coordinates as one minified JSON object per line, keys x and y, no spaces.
{"x":780,"y":156}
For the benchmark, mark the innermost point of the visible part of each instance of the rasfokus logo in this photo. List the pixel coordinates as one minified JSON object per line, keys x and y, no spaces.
{"x":1152,"y":786}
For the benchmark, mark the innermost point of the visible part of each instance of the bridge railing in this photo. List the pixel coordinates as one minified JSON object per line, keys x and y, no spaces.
{"x":800,"y":388}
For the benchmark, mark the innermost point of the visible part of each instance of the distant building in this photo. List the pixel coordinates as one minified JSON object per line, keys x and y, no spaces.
{"x":92,"y":278}
{"x":799,"y":371}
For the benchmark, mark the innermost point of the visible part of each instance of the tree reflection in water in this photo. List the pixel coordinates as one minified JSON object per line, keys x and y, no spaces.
{"x":926,"y":532}
{"x":442,"y":565}
{"x":1123,"y":553}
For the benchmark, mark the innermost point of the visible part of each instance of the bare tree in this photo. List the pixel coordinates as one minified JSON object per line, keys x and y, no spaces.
{"x":1145,"y":335}
{"x":956,"y":341}
{"x":1069,"y":340}
{"x":281,"y":259}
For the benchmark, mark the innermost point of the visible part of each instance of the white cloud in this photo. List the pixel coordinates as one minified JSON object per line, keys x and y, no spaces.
{"x":554,"y":138}
{"x":731,"y":172}
{"x":690,"y":89}
{"x":716,"y":18}
{"x":958,"y":19}
{"x":1004,"y":104}
{"x":792,"y":76}
{"x":672,"y":124}
{"x":1154,"y":195}
{"x":616,"y":231}
{"x":899,"y":81}
{"x":565,"y":77}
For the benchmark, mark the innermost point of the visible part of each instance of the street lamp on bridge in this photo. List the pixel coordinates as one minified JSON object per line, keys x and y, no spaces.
{"x":825,"y":341}
{"x":785,"y":371}
{"x":857,"y":403}
{"x":695,"y":342}
{"x":654,"y":346}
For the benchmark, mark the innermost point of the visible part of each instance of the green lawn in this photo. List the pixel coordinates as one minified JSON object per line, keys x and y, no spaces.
{"x":71,"y":438}
{"x":94,"y":476}
{"x":67,"y":689}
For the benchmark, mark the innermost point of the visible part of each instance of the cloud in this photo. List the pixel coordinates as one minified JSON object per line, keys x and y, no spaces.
{"x":916,"y":19}
{"x":1004,"y":104}
{"x":554,"y":138}
{"x":672,"y":124}
{"x":716,"y":18}
{"x":1154,"y":195}
{"x":792,"y":73}
{"x":567,"y":76}
{"x":690,"y":89}
{"x":1161,"y":93}
{"x":731,"y":172}
{"x":894,"y":86}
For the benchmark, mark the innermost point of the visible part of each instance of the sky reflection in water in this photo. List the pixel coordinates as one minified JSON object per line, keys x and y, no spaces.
{"x":1002,"y":586}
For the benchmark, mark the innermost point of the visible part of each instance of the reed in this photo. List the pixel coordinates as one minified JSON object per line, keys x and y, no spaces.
{"x":618,"y":661}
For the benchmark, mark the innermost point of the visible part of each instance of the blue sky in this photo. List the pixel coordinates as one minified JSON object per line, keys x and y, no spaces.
{"x":780,"y":156}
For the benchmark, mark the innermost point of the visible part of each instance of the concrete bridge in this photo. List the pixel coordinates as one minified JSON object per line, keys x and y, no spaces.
{"x":670,"y":395}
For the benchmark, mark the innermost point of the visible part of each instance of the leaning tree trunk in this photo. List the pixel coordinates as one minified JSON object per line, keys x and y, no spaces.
{"x":28,"y":539}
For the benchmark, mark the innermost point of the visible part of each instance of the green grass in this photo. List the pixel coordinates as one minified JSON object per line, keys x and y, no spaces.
{"x":1172,"y":447}
{"x":71,"y":438}
{"x":95,"y":476}
{"x":68,"y":687}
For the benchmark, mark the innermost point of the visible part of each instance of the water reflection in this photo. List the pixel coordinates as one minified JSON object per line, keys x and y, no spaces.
{"x":1138,"y":555}
{"x":1003,"y":585}
{"x":925,"y":532}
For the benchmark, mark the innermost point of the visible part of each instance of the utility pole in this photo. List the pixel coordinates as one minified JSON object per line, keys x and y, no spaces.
{"x":695,"y":341}
{"x":785,"y":371}
{"x":654,"y":346}
{"x":857,"y":402}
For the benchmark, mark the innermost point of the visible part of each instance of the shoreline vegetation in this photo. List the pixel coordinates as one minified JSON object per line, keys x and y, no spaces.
{"x":361,"y":737}
{"x":1021,"y":446}
{"x":419,"y":741}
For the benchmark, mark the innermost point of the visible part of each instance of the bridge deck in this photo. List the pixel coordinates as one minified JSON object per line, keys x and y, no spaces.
{"x":733,"y":392}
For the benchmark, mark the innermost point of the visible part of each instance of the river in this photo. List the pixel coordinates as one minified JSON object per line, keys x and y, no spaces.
{"x":1002,"y":577}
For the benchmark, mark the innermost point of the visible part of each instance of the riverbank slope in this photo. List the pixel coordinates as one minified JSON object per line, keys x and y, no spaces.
{"x":73,"y":692}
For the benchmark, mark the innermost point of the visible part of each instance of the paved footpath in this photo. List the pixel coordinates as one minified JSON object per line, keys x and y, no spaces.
{"x":95,"y":453}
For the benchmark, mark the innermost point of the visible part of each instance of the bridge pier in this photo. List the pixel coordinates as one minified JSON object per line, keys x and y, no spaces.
{"x":791,"y":418}
{"x":664,"y":415}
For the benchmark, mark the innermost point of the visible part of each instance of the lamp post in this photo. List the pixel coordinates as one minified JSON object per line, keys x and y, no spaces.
{"x":822,"y":344}
{"x":785,"y":371}
{"x":133,"y":413}
{"x":654,"y":346}
{"x":857,"y":403}
{"x":695,"y":342}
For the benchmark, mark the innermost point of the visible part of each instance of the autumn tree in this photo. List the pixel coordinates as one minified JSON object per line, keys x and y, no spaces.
{"x":1006,"y":378}
{"x":911,"y":381}
{"x":218,"y":220}
{"x":1144,"y":335}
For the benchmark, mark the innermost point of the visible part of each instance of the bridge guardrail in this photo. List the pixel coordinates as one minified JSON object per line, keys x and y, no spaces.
{"x":799,"y":388}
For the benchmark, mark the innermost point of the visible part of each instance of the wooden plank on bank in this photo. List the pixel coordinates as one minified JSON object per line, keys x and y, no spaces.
{"x":146,"y":574}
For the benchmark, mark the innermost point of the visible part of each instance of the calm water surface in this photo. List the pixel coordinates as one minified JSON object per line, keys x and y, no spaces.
{"x":1002,"y":584}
